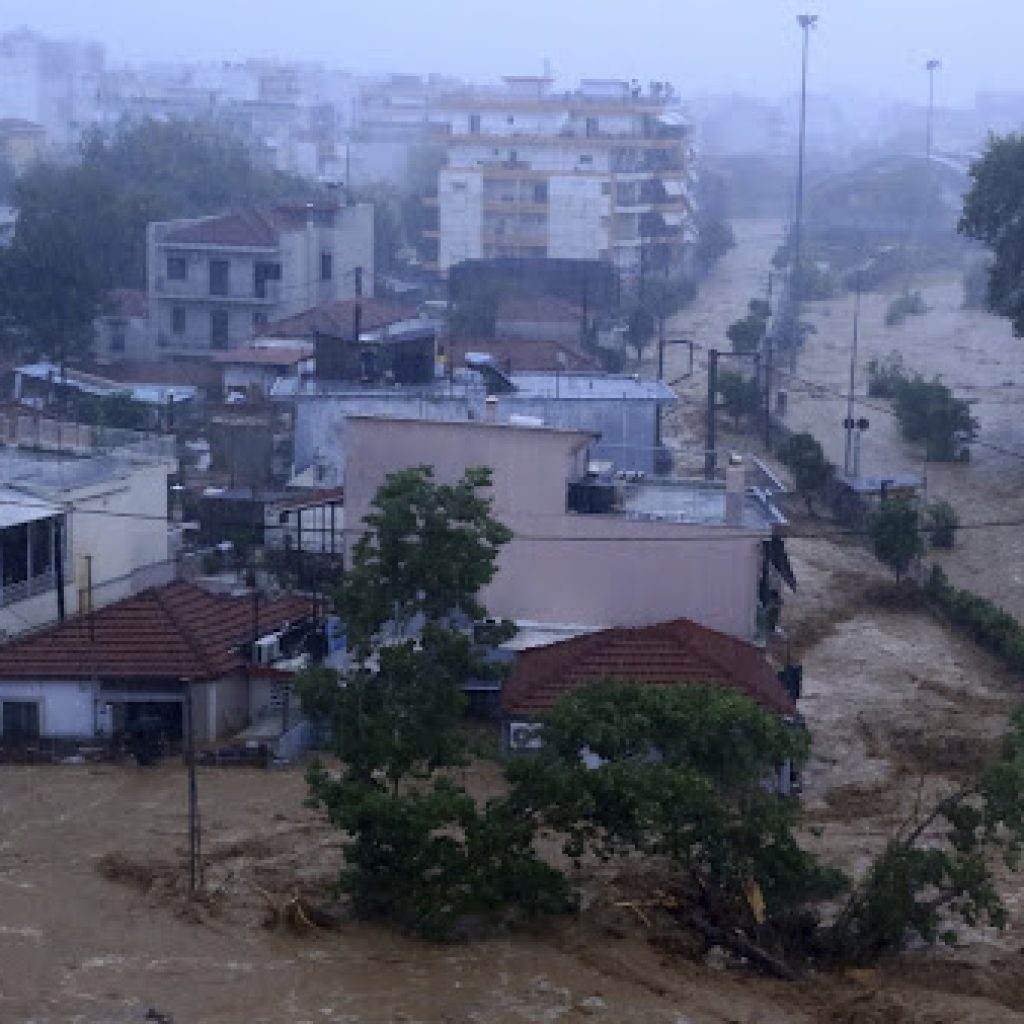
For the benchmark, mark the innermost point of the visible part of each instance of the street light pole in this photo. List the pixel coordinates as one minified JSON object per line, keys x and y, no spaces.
{"x":931,"y":67}
{"x":806,"y":23}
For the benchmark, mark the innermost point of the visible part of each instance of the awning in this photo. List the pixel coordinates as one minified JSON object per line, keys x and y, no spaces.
{"x":16,"y":508}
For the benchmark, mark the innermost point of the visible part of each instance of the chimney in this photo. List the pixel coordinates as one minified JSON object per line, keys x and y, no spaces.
{"x":491,"y":409}
{"x":735,"y":490}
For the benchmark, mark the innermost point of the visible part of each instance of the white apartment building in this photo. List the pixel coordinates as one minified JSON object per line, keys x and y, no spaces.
{"x":213,"y":282}
{"x":604,"y":172}
{"x":80,"y":506}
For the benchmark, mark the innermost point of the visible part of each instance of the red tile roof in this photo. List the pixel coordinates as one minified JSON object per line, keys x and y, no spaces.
{"x":539,"y":309}
{"x":680,"y":651}
{"x":521,"y":354}
{"x":179,"y":631}
{"x":336,"y":319}
{"x":245,"y":227}
{"x":276,"y":355}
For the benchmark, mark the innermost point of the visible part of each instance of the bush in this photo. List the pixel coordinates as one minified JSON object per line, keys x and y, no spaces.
{"x":811,"y":470}
{"x":941,"y":522}
{"x":907,"y":304}
{"x":894,"y":529}
{"x":927,"y":412}
{"x":886,"y":376}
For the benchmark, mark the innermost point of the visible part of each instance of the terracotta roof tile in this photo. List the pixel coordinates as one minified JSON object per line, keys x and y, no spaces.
{"x":179,"y":631}
{"x":674,"y":652}
{"x":336,"y":319}
{"x":245,"y":227}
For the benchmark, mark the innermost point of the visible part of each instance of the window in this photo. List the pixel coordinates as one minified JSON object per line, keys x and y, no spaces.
{"x":540,"y":192}
{"x":21,"y":720}
{"x":177,"y":268}
{"x":591,"y":127}
{"x":117,"y":340}
{"x":218,"y":277}
{"x":606,"y":188}
{"x":219,"y":328}
{"x":14,"y":554}
{"x":326,"y":266}
{"x":179,"y":319}
{"x":41,"y":543}
{"x":259,"y":320}
{"x":458,"y":186}
{"x":474,"y":124}
{"x":261,"y":274}
{"x":586,"y":158}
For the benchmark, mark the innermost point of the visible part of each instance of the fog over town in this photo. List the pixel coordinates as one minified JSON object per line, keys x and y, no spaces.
{"x":511,"y":513}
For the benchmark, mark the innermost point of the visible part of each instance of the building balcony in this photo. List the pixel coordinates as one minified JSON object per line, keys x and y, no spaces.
{"x":192,"y":291}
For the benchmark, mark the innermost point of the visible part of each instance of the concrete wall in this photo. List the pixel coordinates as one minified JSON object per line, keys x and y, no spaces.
{"x":626,"y":426}
{"x":562,"y":567}
{"x":460,"y":217}
{"x":66,"y":709}
{"x":578,"y":218}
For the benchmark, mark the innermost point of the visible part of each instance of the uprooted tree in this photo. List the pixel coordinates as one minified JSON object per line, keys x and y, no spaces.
{"x":421,"y":853}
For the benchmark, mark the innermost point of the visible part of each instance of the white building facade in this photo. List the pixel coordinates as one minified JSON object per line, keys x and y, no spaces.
{"x":212,"y":283}
{"x":604,"y":172}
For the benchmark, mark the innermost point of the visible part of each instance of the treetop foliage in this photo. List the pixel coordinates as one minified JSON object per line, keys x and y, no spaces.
{"x":428,"y":549}
{"x":993,"y":213}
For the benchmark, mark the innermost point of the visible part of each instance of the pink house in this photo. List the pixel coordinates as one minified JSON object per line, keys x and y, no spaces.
{"x":588,"y":550}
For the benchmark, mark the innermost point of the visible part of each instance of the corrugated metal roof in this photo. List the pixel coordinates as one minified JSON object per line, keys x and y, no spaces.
{"x":17,"y":507}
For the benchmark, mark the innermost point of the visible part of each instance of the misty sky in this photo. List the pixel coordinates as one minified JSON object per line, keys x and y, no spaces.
{"x":867,"y":47}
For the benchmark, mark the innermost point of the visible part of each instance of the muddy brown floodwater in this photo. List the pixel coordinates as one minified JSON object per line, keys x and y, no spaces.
{"x":96,"y":926}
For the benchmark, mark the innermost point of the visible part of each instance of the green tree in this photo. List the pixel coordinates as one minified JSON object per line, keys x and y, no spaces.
{"x":81,"y":228}
{"x":993,"y":213}
{"x":682,"y":773}
{"x":937,"y":869}
{"x":420,"y":852}
{"x":747,"y":333}
{"x":714,"y":232}
{"x":811,"y":470}
{"x":928,"y":413}
{"x":895,"y":532}
{"x":741,"y":396}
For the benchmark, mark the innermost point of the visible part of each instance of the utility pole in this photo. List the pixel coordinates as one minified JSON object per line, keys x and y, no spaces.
{"x":806,"y":23}
{"x":194,"y":846}
{"x":849,"y":422}
{"x":931,"y":67}
{"x":768,"y":343}
{"x":710,"y":441}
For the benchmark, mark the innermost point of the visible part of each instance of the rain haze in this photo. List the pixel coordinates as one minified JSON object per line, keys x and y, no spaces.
{"x":867,"y":47}
{"x":511,"y":511}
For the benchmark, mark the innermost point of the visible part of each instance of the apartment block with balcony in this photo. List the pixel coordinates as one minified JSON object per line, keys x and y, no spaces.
{"x":213,"y":282}
{"x":603,"y":172}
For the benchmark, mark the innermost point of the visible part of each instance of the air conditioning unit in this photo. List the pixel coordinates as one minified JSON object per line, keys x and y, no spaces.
{"x":524,"y":736}
{"x":268,"y":649}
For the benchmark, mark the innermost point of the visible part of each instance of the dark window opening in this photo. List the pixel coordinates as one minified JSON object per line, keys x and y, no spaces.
{"x":21,"y":720}
{"x":474,"y":124}
{"x":261,"y":274}
{"x":218,"y":277}
{"x":326,"y":266}
{"x":219,"y":328}
{"x":41,"y":543}
{"x":14,"y":554}
{"x":178,"y":319}
{"x":177,"y":268}
{"x":592,"y":127}
{"x":117,"y":341}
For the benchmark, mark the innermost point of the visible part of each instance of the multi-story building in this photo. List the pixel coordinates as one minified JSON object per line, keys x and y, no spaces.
{"x":215,"y":281}
{"x":604,"y":172}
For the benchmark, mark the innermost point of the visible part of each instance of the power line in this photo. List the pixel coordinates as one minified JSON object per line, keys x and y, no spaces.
{"x":718,"y":535}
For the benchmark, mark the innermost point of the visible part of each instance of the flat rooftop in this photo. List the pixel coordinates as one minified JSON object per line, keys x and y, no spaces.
{"x":695,"y":501}
{"x":53,"y":471}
